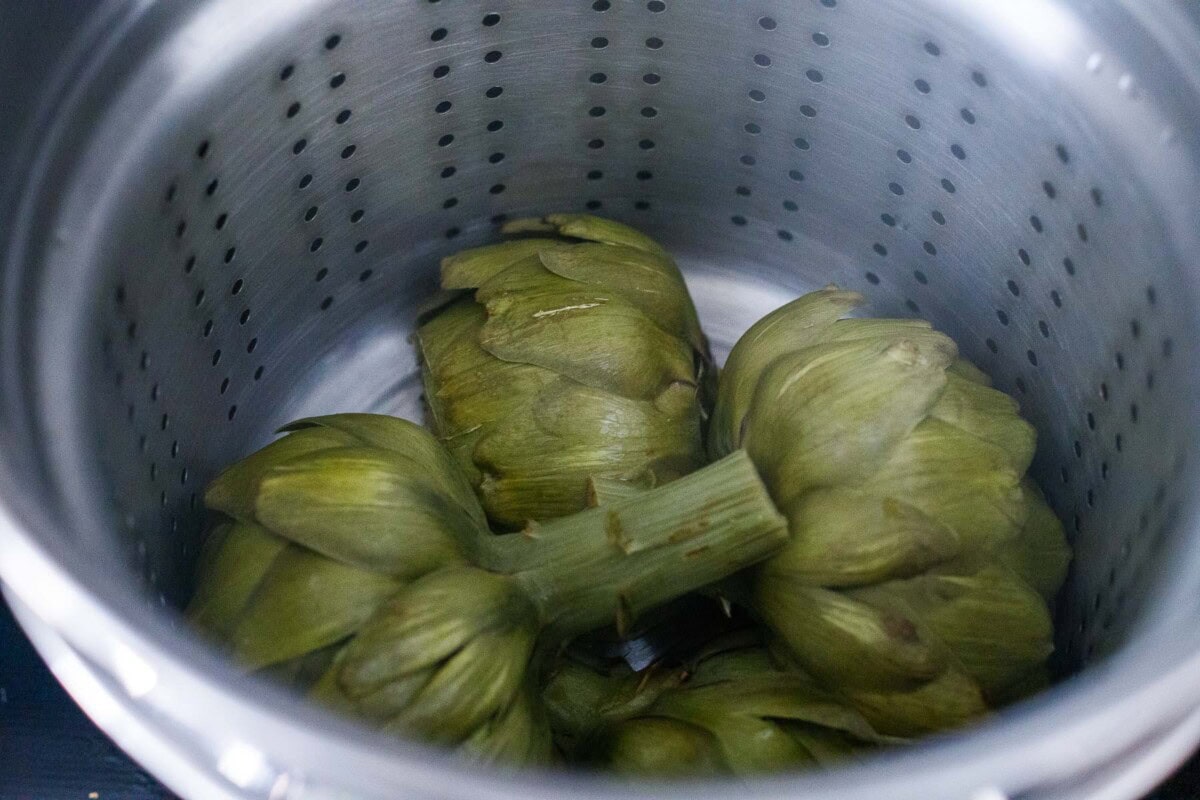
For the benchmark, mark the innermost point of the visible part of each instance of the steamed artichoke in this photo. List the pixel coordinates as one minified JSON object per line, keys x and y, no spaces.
{"x":571,"y":354}
{"x":920,"y":563}
{"x":326,"y":524}
{"x":730,"y":711}
{"x":359,"y":554}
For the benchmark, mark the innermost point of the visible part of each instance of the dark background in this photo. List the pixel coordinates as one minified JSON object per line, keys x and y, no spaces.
{"x":50,"y":751}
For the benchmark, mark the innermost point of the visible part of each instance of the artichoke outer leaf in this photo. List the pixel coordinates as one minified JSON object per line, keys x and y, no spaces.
{"x":304,"y":603}
{"x":663,"y":748}
{"x":959,"y":480}
{"x":1040,"y":554}
{"x":560,"y":333}
{"x":989,"y":414}
{"x":235,"y":559}
{"x":588,"y":228}
{"x":950,"y":701}
{"x":652,"y":284}
{"x":843,"y":537}
{"x":470,"y":269}
{"x":844,"y":641}
{"x":234,"y":490}
{"x":795,"y":325}
{"x":410,"y":442}
{"x":996,"y":625}
{"x":833,"y":414}
{"x":360,"y":506}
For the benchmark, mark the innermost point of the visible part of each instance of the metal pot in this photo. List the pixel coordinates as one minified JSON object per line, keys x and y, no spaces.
{"x":218,"y":216}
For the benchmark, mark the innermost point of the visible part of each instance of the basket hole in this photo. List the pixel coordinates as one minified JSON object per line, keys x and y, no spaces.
{"x":767,"y":23}
{"x":922,"y":86}
{"x":332,"y":42}
{"x":938,"y":217}
{"x":932,"y":49}
{"x":493,"y":56}
{"x":968,"y":116}
{"x":654,"y":43}
{"x":305,"y":181}
{"x":912,"y":121}
{"x":337,"y":79}
{"x":979,"y":79}
{"x":490,"y":19}
{"x":820,"y":39}
{"x":888,"y":219}
{"x":904,"y":156}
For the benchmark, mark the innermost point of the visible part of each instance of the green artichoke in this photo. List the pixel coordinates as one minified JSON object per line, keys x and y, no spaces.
{"x":571,"y":354}
{"x":731,"y":711}
{"x":920,"y":563}
{"x":327,"y":524}
{"x":358,"y":552}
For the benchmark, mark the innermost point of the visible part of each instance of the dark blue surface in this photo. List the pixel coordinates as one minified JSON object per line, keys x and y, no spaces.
{"x":50,"y":751}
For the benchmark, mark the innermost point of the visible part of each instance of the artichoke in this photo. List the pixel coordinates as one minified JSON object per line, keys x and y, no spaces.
{"x":920,"y":563}
{"x":326,"y":524}
{"x":570,"y":354}
{"x":358,"y":552}
{"x":730,"y":711}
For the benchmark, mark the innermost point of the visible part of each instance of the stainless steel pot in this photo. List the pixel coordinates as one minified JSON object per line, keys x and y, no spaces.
{"x":220,"y":215}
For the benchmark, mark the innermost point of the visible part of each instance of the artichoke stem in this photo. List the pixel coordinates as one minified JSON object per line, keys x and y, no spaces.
{"x":610,"y":564}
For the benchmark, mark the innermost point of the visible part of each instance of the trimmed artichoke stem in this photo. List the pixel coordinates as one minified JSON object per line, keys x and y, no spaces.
{"x":615,"y":562}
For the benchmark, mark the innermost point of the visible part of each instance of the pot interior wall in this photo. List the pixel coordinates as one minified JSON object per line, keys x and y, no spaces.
{"x":279,"y":184}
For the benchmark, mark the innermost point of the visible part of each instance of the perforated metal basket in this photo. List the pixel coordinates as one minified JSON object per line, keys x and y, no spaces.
{"x":222,"y":215}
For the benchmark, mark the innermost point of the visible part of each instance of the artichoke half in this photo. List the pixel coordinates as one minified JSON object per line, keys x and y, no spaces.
{"x":731,"y":710}
{"x":358,"y":561}
{"x":921,"y":560}
{"x":573,"y":353}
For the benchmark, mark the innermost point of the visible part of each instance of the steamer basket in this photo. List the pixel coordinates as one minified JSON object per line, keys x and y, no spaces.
{"x":223,"y":214}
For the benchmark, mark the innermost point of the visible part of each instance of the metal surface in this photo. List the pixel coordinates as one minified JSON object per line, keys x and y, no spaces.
{"x":231,"y":210}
